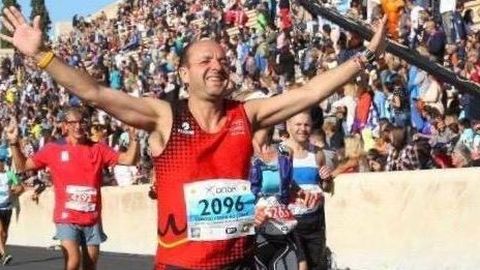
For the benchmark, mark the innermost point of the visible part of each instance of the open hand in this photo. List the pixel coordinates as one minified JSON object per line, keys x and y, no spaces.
{"x":25,"y":37}
{"x":261,"y":215}
{"x":12,"y":131}
{"x":378,"y":43}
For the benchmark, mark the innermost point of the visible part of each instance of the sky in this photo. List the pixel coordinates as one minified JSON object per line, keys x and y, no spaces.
{"x":63,"y":10}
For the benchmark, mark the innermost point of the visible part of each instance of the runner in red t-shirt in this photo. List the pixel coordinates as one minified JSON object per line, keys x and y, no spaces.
{"x":76,"y":166}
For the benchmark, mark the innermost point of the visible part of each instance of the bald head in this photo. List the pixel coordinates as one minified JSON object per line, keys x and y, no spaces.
{"x":193,"y":46}
{"x":204,"y":70}
{"x":299,"y":127}
{"x":304,"y":115}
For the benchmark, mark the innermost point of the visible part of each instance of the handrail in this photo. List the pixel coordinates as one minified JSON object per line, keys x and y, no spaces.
{"x":411,"y":56}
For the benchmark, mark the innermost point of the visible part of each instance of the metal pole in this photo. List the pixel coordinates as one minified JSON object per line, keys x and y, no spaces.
{"x":407,"y":54}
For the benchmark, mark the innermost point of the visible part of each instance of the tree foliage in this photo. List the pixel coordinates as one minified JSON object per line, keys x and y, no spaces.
{"x":7,"y":3}
{"x":39,"y":8}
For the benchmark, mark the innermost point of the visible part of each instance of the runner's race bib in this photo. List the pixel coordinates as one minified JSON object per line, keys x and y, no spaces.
{"x":81,"y":198}
{"x":281,"y":220}
{"x":219,"y":209}
{"x":299,"y":208}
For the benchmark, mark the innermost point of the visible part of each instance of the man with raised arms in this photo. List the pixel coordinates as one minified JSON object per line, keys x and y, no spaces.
{"x":201,"y":147}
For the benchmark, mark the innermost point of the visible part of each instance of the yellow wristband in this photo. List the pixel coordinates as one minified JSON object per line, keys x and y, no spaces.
{"x":46,"y":60}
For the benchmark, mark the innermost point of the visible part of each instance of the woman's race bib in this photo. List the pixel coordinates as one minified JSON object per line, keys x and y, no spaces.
{"x":281,"y":221}
{"x":219,"y":209}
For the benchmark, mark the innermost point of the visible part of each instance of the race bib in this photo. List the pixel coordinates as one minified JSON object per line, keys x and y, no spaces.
{"x":219,"y":209}
{"x":299,"y":208}
{"x":281,"y":219}
{"x":81,"y":198}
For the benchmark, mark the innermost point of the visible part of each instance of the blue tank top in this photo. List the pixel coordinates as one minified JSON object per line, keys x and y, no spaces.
{"x":305,"y":170}
{"x":305,"y":174}
{"x":270,"y":179}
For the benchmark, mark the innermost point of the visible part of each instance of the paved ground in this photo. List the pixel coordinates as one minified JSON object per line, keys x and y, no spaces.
{"x":30,"y":258}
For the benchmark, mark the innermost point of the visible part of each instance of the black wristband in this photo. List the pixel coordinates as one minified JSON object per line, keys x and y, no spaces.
{"x":14,"y":144}
{"x":370,"y":56}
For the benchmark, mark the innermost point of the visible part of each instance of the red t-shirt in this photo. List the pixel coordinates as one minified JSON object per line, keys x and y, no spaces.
{"x":76,"y":172}
{"x":194,"y":156}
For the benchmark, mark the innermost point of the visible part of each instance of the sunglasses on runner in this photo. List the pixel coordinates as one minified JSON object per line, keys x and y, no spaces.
{"x":74,"y":122}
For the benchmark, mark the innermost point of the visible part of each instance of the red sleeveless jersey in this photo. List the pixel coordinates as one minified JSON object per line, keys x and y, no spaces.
{"x":192,"y":155}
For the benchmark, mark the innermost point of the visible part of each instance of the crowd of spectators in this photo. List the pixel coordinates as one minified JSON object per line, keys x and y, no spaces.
{"x":394,"y":116}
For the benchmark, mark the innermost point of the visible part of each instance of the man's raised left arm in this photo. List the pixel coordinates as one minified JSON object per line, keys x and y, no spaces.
{"x":267,"y":112}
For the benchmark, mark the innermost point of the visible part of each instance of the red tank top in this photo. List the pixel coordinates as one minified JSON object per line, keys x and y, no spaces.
{"x":192,"y":155}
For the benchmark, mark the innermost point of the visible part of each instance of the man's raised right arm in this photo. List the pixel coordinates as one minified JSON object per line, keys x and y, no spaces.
{"x":19,"y":160}
{"x":141,"y":113}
